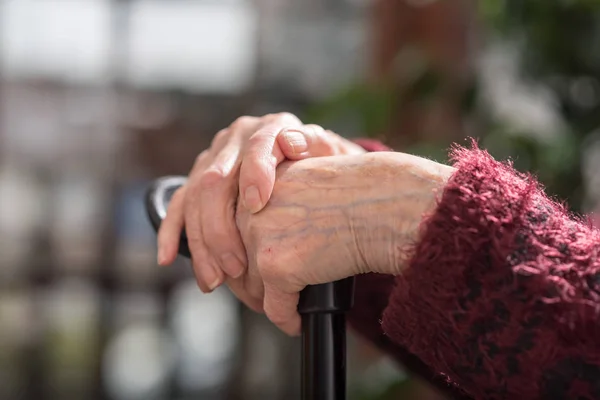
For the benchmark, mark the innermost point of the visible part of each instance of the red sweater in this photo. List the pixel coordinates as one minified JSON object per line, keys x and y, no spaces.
{"x":502,"y":297}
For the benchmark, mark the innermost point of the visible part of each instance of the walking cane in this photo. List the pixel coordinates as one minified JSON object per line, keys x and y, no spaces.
{"x":322,"y":308}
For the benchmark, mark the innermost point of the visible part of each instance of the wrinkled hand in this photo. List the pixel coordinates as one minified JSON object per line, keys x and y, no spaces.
{"x":241,"y":159}
{"x":333,"y":217}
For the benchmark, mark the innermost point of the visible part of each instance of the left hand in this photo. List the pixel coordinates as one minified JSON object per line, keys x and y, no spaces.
{"x":241,"y":159}
{"x":330,"y":218}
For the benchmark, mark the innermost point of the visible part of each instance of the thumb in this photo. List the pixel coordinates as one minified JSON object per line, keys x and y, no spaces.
{"x":257,"y":169}
{"x":307,"y":141}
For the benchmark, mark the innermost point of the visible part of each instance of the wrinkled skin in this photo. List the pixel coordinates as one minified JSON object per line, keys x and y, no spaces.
{"x":327,"y":220}
{"x":242,"y":158}
{"x":268,"y":229}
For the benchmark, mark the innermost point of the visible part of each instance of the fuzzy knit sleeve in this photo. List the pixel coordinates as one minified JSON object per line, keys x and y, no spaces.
{"x":501,"y":299}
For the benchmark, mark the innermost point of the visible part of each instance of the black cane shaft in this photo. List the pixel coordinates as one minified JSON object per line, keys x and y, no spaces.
{"x":324,"y":356}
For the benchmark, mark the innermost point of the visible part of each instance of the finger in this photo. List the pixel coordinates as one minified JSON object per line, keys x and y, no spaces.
{"x":208,"y":274}
{"x":220,"y":139}
{"x":200,"y":163}
{"x":257,"y":171}
{"x":218,"y":198}
{"x":238,"y":288}
{"x":282,"y":309}
{"x":207,"y":271}
{"x":170,"y":229}
{"x":307,"y":141}
{"x":206,"y":279}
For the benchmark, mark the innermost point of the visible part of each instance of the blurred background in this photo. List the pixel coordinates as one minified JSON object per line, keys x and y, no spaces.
{"x":98,"y":97}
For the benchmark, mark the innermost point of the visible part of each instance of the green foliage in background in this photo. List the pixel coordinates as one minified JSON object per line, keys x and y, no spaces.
{"x":560,"y":49}
{"x":561,"y":43}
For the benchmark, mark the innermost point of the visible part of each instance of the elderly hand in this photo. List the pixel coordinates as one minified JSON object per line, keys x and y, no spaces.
{"x":241,"y":159}
{"x":333,"y":217}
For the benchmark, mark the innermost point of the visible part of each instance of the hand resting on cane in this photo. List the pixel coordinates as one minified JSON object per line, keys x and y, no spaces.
{"x":241,"y":159}
{"x":499,"y":289}
{"x":326,"y":221}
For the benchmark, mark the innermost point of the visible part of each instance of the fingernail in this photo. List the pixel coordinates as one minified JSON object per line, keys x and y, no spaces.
{"x":232,"y":265}
{"x":213,"y":278}
{"x":215,"y":284}
{"x":252,"y":199}
{"x":296,"y":140}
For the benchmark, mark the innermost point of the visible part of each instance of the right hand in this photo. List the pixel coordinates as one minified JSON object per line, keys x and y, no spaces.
{"x":334,"y":217}
{"x":242,"y":159}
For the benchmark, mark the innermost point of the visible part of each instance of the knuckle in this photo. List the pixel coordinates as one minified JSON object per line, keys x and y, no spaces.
{"x":211,"y":178}
{"x":318,"y":132}
{"x":200,"y":158}
{"x":196,"y":242}
{"x":314,"y":133}
{"x":313,"y":128}
{"x":256,"y":141}
{"x":325,"y":139}
{"x":242,"y":122}
{"x":222,"y":135}
{"x":287,"y":117}
{"x":271,"y":117}
{"x":258,"y":156}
